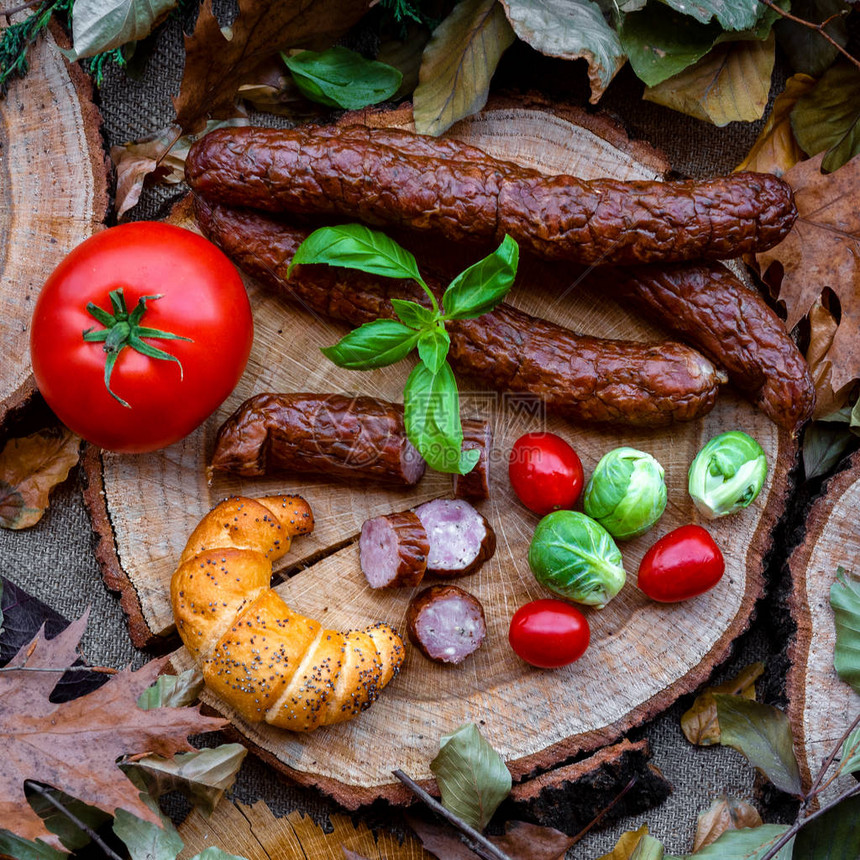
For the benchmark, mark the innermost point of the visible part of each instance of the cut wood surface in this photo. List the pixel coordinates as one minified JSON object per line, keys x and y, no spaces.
{"x":821,"y":705}
{"x":643,"y":655}
{"x":53,"y":195}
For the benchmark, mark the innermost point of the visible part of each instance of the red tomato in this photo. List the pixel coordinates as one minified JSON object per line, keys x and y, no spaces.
{"x":682,"y":564}
{"x":191,"y":290}
{"x":545,"y":472}
{"x":549,"y":633}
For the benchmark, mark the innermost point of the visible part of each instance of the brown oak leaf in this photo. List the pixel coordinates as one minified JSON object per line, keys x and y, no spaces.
{"x":216,"y":64}
{"x":725,"y":813}
{"x":823,"y":250}
{"x":74,"y":746}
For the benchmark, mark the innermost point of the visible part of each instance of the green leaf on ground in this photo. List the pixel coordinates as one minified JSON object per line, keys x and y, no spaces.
{"x":833,"y":836}
{"x":730,"y":14}
{"x":808,"y":52}
{"x":102,"y":25}
{"x":845,"y":600}
{"x":750,"y":843}
{"x":458,"y":64}
{"x":849,"y":761}
{"x":25,"y":849}
{"x":145,"y":840}
{"x":763,"y":734}
{"x":472,"y":777}
{"x":342,"y":78}
{"x":172,"y":691}
{"x":824,"y":444}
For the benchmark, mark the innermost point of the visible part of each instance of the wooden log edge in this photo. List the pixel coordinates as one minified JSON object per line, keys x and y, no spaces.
{"x":15,"y":405}
{"x":799,"y":649}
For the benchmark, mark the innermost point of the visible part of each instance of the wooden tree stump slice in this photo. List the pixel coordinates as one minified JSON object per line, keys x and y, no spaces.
{"x":53,"y":195}
{"x":643,"y":655}
{"x":821,"y":705}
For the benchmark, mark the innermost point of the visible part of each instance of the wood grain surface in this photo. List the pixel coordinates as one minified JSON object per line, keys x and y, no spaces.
{"x":643,"y":655}
{"x":53,"y":195}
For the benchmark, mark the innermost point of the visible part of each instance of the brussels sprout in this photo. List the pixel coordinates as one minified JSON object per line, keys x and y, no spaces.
{"x":727,"y":474}
{"x":626,"y":493}
{"x":576,"y":558}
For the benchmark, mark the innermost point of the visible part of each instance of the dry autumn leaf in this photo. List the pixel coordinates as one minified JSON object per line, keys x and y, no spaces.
{"x":30,"y":468}
{"x":161,"y":156}
{"x":699,"y":723}
{"x":823,"y":250}
{"x":256,"y":833}
{"x":776,"y":150}
{"x":730,"y":84}
{"x":75,"y":745}
{"x":626,"y":844}
{"x":725,"y":813}
{"x":215,"y":65}
{"x":822,"y":330}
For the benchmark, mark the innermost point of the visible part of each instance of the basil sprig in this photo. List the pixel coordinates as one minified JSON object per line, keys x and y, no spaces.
{"x":431,"y":402}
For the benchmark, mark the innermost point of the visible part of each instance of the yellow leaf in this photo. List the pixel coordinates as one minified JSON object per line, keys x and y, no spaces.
{"x":29,"y":469}
{"x":776,"y":149}
{"x":699,"y":723}
{"x":725,"y":813}
{"x":730,"y":84}
{"x":256,"y":833}
{"x":458,"y":63}
{"x":626,"y":845}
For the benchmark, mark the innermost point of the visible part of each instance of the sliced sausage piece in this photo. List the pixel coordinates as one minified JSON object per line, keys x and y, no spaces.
{"x":461,"y":540}
{"x":475,"y":487}
{"x":460,"y":193}
{"x":446,"y":623}
{"x":328,"y":435}
{"x":393,"y":550}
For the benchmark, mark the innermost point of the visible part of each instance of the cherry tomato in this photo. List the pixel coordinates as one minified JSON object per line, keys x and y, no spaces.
{"x":545,"y":472}
{"x":178,"y":284}
{"x":682,"y":564}
{"x":549,"y":633}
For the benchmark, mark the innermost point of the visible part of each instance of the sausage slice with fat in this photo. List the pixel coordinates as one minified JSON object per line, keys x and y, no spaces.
{"x":446,"y":623}
{"x":393,"y":550}
{"x":461,"y":540}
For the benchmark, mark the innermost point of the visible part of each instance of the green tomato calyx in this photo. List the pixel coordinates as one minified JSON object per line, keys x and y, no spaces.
{"x":122,"y":329}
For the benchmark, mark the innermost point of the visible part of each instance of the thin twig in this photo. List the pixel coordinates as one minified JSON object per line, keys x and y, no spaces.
{"x":597,"y":818}
{"x":816,"y":786}
{"x":101,"y":670}
{"x":819,"y":28}
{"x":109,"y":852}
{"x":6,"y":13}
{"x":793,"y":830}
{"x":169,"y":147}
{"x":482,"y":846}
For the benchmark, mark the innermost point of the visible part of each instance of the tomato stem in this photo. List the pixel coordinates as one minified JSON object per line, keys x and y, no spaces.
{"x":122,"y":329}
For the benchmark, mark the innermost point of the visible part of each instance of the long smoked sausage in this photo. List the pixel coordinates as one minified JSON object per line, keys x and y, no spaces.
{"x":384,"y":176}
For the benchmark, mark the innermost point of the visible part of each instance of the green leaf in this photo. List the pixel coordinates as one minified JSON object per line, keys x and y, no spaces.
{"x":24,"y":849}
{"x":845,"y":600}
{"x":571,"y":30}
{"x":730,"y":84}
{"x":374,"y":344}
{"x":748,"y":843}
{"x":807,"y":51}
{"x":824,"y":444}
{"x":145,"y":840}
{"x":763,"y":734}
{"x":214,"y":853}
{"x":648,"y":848}
{"x":472,"y":777}
{"x":458,"y":64}
{"x":172,"y":691}
{"x":57,"y":822}
{"x":731,"y":14}
{"x":102,"y":25}
{"x":355,"y":246}
{"x":833,"y":836}
{"x":433,"y":347}
{"x":431,"y":413}
{"x":828,"y":117}
{"x":661,"y":42}
{"x":478,"y":289}
{"x":342,"y":78}
{"x":202,"y":776}
{"x":850,"y":758}
{"x":413,"y":314}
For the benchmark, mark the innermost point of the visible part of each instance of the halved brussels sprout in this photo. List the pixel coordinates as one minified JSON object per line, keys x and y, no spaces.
{"x":627,"y":493}
{"x":727,"y":474}
{"x":576,"y":558}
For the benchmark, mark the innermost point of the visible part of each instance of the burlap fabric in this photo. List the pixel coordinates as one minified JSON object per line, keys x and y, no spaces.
{"x":54,"y":560}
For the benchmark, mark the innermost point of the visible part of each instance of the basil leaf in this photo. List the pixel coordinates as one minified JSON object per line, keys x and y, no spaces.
{"x":431,"y":412}
{"x":342,"y":78}
{"x":413,"y":314}
{"x":481,"y":287}
{"x":355,"y":246}
{"x":433,"y":347}
{"x":375,"y":344}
